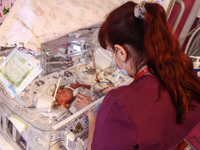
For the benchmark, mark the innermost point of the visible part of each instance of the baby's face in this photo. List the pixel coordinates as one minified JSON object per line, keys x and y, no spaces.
{"x":64,"y":96}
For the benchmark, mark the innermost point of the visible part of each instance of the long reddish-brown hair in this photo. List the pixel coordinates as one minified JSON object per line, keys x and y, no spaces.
{"x":151,"y":38}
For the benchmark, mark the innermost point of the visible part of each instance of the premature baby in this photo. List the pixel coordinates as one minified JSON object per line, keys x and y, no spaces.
{"x":65,"y":95}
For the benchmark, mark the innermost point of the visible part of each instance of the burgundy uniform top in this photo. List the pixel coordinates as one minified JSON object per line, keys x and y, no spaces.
{"x":138,"y":116}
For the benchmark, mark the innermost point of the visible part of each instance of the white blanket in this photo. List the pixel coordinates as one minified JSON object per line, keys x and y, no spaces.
{"x":33,"y":22}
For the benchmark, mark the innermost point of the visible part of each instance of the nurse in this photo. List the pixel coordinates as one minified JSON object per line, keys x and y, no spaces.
{"x":162,"y":105}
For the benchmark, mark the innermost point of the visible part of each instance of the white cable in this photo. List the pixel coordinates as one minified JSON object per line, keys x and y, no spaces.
{"x":188,"y":34}
{"x":190,"y":40}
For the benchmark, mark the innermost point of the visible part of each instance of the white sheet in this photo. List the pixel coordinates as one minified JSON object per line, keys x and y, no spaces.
{"x":33,"y":22}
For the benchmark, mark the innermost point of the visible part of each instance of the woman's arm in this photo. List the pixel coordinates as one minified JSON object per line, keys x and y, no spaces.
{"x":92,"y":121}
{"x":83,"y":101}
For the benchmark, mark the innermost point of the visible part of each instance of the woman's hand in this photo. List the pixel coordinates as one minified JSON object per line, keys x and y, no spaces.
{"x":82,"y":101}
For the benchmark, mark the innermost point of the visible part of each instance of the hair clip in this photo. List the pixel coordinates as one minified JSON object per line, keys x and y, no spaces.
{"x":139,"y":10}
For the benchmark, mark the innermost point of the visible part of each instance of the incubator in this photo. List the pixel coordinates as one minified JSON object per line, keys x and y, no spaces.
{"x":76,"y":57}
{"x":68,"y":57}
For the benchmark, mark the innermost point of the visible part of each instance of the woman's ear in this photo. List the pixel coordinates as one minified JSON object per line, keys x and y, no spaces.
{"x":121,"y":52}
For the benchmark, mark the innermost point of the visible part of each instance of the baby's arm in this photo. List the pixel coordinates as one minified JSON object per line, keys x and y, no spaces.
{"x":77,"y":84}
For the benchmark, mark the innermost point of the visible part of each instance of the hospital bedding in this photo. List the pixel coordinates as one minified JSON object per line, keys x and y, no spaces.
{"x":33,"y":22}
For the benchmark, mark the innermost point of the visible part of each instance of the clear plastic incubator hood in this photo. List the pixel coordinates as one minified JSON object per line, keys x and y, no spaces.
{"x":32,"y":119}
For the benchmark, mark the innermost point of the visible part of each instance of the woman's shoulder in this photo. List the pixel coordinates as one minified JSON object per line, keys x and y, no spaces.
{"x":146,"y":79}
{"x":145,"y":88}
{"x":145,"y":82}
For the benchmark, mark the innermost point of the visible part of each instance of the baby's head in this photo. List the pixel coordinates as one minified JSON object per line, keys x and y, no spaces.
{"x":64,"y":96}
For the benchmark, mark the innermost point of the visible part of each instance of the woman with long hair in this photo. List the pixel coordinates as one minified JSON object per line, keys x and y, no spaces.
{"x":162,"y":105}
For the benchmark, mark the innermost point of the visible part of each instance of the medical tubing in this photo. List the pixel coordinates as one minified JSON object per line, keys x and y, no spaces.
{"x":187,"y":49}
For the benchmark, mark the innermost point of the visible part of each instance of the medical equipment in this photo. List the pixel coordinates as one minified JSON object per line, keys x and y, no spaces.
{"x":196,"y":64}
{"x":64,"y":61}
{"x":193,"y":48}
{"x":74,"y":56}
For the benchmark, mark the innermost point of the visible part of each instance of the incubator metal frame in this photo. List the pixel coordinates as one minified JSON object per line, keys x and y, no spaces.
{"x":43,"y":133}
